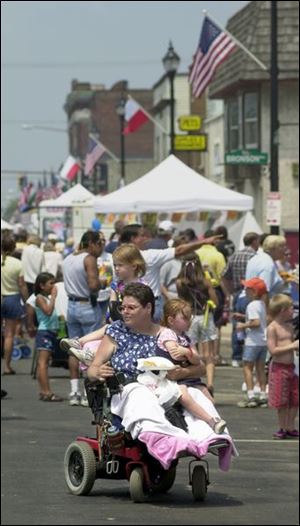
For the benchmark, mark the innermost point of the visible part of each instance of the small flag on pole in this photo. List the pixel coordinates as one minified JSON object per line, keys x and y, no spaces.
{"x":69,"y":169}
{"x":214,"y":47}
{"x":95,"y":151}
{"x":134,"y":116}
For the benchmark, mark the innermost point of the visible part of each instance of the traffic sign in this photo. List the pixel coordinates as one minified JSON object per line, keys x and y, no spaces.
{"x":191,"y":142}
{"x":190,"y":122}
{"x":273,"y":208}
{"x":246,"y":157}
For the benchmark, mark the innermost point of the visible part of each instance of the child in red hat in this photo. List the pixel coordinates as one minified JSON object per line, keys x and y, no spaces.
{"x":255,"y":347}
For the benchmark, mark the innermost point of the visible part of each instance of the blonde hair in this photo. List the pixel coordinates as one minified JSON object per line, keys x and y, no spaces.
{"x":278,"y":303}
{"x":174,"y":307}
{"x":272,"y":242}
{"x":129,"y":254}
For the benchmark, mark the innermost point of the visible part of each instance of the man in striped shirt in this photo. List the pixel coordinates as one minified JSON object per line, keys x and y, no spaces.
{"x":234,"y":272}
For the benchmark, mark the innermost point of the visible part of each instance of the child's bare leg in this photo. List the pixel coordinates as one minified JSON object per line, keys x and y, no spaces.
{"x":193,"y":407}
{"x":291,"y":417}
{"x":208,"y":355}
{"x":261,"y":375}
{"x":248,"y":374}
{"x":42,"y":371}
{"x":282,"y":417}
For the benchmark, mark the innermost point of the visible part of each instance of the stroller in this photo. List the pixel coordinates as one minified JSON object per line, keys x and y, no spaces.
{"x":113,"y":454}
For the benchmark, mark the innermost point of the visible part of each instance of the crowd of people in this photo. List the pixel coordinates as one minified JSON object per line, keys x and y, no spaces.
{"x":144,"y":294}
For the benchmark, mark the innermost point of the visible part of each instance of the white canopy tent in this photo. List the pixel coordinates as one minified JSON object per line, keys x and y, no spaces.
{"x":77,"y":195}
{"x":81,"y":204}
{"x":245,"y":224}
{"x":172,"y":187}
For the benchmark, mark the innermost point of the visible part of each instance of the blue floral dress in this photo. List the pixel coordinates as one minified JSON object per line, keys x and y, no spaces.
{"x":130,"y":347}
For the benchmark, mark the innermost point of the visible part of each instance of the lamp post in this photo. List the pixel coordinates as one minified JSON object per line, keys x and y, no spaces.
{"x":171,"y":62}
{"x":120,"y":109}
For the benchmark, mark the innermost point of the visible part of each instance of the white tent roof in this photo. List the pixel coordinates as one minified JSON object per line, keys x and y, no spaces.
{"x":172,"y":187}
{"x":246,"y":224}
{"x":76,"y":196}
{"x":5,"y":225}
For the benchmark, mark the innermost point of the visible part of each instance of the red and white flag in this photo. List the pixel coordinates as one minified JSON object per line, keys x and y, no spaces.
{"x":214,"y":47}
{"x":69,"y":169}
{"x":135,"y":116}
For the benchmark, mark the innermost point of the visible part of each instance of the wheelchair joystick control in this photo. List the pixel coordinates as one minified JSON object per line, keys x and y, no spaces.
{"x":115,"y":439}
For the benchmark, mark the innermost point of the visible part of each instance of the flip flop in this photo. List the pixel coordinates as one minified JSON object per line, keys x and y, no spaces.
{"x":51,"y":397}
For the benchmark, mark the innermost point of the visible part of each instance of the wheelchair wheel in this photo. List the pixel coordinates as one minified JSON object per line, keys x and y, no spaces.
{"x":166,"y":481}
{"x":199,"y":483}
{"x":136,"y":485}
{"x":80,"y":468}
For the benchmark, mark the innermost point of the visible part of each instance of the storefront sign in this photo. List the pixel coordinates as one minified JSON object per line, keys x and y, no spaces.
{"x":191,"y":142}
{"x":190,"y":122}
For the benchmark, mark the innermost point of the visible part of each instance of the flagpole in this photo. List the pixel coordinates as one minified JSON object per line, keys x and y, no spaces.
{"x":238,"y":43}
{"x":149,"y":116}
{"x":106,"y":149}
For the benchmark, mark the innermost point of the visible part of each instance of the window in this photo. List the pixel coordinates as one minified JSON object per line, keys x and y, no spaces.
{"x":233,"y":125}
{"x":251,"y":120}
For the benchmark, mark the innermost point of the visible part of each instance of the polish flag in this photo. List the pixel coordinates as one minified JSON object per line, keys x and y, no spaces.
{"x":69,"y":169}
{"x":135,"y":116}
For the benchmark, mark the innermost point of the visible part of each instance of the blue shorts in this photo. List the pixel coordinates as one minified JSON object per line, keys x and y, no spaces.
{"x":46,"y":341}
{"x":12,"y":307}
{"x":255,"y":353}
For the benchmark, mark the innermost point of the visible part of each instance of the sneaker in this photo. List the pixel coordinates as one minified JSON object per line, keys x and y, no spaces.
{"x":248,"y":402}
{"x":279,"y":435}
{"x":75,"y":399}
{"x":292,"y":434}
{"x":262,"y":402}
{"x":236,"y":363}
{"x":66,"y":343}
{"x":219,"y":426}
{"x":84,"y":401}
{"x":85,"y":356}
{"x":244,"y":387}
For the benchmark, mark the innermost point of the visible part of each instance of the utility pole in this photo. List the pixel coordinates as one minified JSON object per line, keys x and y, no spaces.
{"x":274,"y":145}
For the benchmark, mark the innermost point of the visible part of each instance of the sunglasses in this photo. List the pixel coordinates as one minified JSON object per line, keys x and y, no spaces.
{"x":130,"y":308}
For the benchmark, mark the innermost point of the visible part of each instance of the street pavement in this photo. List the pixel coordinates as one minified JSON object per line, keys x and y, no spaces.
{"x":260,"y":488}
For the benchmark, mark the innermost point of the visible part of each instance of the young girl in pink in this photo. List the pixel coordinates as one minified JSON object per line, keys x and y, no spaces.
{"x":175,"y":345}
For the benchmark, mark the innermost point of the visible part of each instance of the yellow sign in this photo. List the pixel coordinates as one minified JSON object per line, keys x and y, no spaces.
{"x":190,"y":122}
{"x":191,"y":142}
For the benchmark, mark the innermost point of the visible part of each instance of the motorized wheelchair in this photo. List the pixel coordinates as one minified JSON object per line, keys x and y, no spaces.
{"x":118,"y":456}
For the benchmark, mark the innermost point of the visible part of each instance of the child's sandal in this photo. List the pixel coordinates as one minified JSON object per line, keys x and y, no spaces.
{"x":51,"y":397}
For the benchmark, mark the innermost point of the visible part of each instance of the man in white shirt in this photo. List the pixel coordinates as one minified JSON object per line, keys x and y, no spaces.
{"x":155,"y":258}
{"x":33,"y":261}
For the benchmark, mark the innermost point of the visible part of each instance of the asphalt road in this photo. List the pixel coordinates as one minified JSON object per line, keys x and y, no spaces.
{"x":260,"y":488}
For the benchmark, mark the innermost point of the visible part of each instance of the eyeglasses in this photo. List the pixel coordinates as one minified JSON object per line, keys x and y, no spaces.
{"x":130,"y":308}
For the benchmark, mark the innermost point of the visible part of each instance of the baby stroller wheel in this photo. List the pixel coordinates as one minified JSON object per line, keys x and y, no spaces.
{"x":80,"y":468}
{"x":199,"y":483}
{"x":136,"y":485}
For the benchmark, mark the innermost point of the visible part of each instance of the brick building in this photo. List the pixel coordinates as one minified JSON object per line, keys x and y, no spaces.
{"x":92,"y":108}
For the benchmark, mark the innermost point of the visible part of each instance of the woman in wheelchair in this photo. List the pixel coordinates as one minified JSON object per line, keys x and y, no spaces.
{"x":134,"y":338}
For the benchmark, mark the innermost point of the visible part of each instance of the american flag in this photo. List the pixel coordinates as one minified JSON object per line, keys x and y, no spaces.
{"x":95,"y":151}
{"x":214,"y":46}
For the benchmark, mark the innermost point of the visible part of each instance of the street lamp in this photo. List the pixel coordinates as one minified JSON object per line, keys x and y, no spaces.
{"x":120,"y":109}
{"x":171,"y":62}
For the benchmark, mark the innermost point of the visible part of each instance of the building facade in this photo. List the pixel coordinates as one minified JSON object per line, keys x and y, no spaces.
{"x":245,"y":89}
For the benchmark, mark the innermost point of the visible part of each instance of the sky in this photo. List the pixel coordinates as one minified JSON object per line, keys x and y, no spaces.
{"x":44,"y":45}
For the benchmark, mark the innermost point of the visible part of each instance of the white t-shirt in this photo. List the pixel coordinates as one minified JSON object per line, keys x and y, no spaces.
{"x":52,"y":262}
{"x":256,"y":310}
{"x":32,"y":260}
{"x":154,"y":259}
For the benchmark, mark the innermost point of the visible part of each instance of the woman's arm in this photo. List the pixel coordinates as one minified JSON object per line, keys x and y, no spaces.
{"x":99,"y":369}
{"x":183,"y":373}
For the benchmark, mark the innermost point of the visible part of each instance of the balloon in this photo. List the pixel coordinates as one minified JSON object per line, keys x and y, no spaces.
{"x":96,"y":225}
